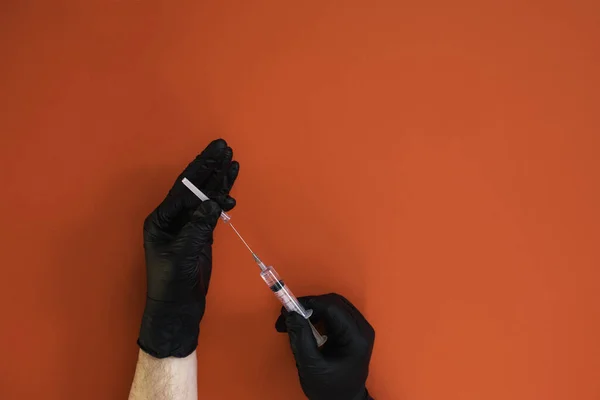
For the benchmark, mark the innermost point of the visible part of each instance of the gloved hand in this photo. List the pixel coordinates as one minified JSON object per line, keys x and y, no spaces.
{"x":178,"y":236}
{"x":337,"y":371}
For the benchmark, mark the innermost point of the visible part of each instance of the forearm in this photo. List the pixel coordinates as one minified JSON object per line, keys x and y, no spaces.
{"x":165,"y":379}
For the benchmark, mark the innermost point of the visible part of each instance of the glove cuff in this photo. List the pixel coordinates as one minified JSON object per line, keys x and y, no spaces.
{"x":170,"y":329}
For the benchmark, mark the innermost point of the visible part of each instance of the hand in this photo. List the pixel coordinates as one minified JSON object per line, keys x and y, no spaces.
{"x":337,"y":371}
{"x":178,"y":236}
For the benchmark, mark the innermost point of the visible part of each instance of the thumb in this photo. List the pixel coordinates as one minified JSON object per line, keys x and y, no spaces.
{"x":302,"y":341}
{"x":198,"y":231}
{"x":207,"y":213}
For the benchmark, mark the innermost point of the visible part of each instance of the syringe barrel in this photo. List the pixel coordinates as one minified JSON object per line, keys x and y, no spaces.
{"x":289,"y":301}
{"x":282,"y":292}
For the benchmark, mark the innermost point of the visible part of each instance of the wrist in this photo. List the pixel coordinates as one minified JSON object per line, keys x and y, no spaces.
{"x":165,"y":378}
{"x":170,"y":329}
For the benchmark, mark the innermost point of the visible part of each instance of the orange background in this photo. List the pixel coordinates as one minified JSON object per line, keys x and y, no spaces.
{"x":434,"y":161}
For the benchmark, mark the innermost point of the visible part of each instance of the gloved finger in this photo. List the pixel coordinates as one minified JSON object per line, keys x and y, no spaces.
{"x":223,"y":198}
{"x":228,"y":203}
{"x":203,"y":165}
{"x":304,"y":346}
{"x":198,"y":232}
{"x":206,"y":214}
{"x":232,"y":173}
{"x":229,"y":176}
{"x":362,"y":323}
{"x":198,"y":172}
{"x":167,"y":218}
{"x":340,"y":320}
{"x":226,"y":159}
{"x":213,"y":150}
{"x":173,"y":212}
{"x":217,"y":184}
{"x":280,"y":322}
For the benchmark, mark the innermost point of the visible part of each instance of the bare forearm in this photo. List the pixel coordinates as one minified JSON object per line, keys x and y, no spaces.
{"x":165,"y":379}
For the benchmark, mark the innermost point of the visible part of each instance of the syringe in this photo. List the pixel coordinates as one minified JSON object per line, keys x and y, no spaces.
{"x":282,"y":292}
{"x":268,"y":274}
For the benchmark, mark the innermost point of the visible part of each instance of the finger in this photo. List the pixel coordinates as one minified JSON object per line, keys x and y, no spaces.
{"x":362,"y":323}
{"x":198,"y":171}
{"x":228,"y":203}
{"x":280,"y":322}
{"x":207,"y":172}
{"x":173,"y":213}
{"x":203,"y":166}
{"x":304,"y":346}
{"x":338,"y":317}
{"x":213,"y":154}
{"x":227,"y":156}
{"x":345,"y":304}
{"x":198,"y":232}
{"x":217,"y":183}
{"x":168,"y":218}
{"x":214,"y":149}
{"x":176,"y":209}
{"x":232,"y":173}
{"x":207,"y":214}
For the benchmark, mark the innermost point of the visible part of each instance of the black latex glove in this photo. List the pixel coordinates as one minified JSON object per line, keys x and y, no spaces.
{"x":339,"y":370}
{"x":178,"y":238}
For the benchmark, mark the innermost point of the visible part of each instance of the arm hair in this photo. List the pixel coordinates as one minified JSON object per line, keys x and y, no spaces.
{"x":165,"y":379}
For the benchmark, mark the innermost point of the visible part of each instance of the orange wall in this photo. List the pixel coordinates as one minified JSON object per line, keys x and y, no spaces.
{"x":435,"y":161}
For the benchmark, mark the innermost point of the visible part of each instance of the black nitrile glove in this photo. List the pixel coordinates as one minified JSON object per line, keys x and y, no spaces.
{"x":178,"y":236}
{"x":339,"y":370}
